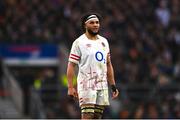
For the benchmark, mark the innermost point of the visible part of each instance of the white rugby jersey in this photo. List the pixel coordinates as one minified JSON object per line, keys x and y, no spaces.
{"x":91,"y":57}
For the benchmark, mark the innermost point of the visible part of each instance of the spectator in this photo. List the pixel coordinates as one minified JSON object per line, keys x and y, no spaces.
{"x":163,"y":13}
{"x":144,"y":36}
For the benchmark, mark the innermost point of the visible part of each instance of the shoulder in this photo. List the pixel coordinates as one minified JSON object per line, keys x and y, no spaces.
{"x":79,"y":39}
{"x":103,"y":39}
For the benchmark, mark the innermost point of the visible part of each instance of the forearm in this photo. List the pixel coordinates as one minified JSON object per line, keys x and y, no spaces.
{"x":110,"y":74}
{"x":70,"y":74}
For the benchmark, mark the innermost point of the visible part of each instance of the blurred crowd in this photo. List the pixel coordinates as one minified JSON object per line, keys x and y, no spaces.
{"x":144,"y":37}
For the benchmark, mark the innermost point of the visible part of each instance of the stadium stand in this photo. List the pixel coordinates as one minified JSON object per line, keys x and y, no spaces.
{"x":144,"y":37}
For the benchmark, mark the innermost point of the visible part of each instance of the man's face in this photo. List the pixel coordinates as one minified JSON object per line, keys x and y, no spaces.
{"x":92,"y":26}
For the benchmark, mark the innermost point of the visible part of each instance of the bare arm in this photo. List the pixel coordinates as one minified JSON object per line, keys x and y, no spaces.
{"x":110,"y":77}
{"x":70,"y":74}
{"x":110,"y":72}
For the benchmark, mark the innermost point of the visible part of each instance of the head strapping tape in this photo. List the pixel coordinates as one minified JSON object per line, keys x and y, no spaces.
{"x":91,"y":17}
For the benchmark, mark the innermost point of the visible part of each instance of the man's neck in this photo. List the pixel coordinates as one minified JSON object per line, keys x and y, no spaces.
{"x":91,"y":37}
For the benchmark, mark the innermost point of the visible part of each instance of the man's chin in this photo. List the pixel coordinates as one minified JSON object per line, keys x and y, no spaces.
{"x":93,"y":33}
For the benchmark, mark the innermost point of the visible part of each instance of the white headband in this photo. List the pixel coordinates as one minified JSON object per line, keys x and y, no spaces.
{"x":91,"y":17}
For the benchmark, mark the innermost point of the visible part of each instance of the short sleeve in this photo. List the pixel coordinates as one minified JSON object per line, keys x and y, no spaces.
{"x":108,"y":49}
{"x":75,"y":54}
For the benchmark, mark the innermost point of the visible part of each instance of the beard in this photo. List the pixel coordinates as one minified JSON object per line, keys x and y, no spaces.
{"x":92,"y":33}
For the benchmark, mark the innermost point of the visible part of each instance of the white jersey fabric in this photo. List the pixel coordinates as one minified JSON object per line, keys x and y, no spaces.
{"x":91,"y":57}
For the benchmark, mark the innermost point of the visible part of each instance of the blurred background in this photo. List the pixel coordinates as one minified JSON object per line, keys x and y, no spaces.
{"x":35,"y":41}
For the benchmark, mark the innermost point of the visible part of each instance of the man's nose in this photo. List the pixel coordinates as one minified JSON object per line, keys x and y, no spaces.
{"x":95,"y":24}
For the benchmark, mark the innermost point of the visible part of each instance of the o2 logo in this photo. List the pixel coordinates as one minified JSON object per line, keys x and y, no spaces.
{"x":100,"y":57}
